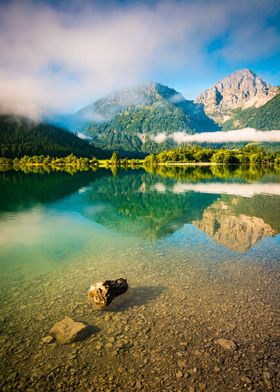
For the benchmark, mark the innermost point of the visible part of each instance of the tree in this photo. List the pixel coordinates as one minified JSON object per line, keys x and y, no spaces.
{"x":151,"y":159}
{"x":203,"y":155}
{"x":256,"y":158}
{"x":225,"y":156}
{"x":115,"y":158}
{"x":94,"y":162}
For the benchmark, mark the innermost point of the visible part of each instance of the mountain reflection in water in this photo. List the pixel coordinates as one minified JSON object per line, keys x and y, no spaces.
{"x":152,"y":207}
{"x":131,"y":206}
{"x":238,"y":231}
{"x":236,"y":208}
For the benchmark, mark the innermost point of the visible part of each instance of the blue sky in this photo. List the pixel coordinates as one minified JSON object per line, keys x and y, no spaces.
{"x":57,"y":56}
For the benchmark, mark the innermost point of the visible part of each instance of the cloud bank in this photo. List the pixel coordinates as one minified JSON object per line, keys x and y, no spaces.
{"x":57,"y":56}
{"x":244,"y":190}
{"x":233,"y":136}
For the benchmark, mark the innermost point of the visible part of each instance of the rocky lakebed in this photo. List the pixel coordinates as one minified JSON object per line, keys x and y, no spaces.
{"x":185,"y":327}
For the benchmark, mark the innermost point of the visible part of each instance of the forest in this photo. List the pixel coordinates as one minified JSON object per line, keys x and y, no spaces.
{"x":20,"y":136}
{"x":250,"y":154}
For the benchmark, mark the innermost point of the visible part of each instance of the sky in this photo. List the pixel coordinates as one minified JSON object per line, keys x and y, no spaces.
{"x":58,"y":56}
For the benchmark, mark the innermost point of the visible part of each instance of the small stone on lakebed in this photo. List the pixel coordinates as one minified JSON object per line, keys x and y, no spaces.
{"x":68,"y":331}
{"x":179,"y":374}
{"x":227,"y":344}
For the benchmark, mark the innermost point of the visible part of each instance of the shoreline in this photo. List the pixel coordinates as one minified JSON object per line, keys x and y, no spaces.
{"x":132,"y":166}
{"x":191,"y":164}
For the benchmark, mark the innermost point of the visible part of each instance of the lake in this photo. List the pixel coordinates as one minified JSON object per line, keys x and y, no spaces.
{"x":200,"y":248}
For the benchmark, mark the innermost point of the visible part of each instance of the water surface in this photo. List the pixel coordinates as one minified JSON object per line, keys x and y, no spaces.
{"x":200,"y":248}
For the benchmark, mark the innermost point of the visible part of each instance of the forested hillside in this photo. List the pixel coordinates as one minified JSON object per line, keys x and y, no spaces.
{"x":20,"y":136}
{"x":266,"y":117}
{"x":128,"y":119}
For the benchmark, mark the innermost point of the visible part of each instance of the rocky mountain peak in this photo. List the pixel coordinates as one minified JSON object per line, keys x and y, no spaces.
{"x":240,"y":90}
{"x":244,"y":72}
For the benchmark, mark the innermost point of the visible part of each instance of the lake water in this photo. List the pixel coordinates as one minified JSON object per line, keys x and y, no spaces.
{"x":200,"y":248}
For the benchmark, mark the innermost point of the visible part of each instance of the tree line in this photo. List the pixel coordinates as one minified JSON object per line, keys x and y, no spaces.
{"x":252,"y":154}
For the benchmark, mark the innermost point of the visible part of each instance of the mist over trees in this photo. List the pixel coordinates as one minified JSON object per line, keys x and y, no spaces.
{"x":20,"y":136}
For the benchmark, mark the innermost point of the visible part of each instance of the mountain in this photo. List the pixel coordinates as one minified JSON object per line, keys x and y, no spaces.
{"x":237,"y":92}
{"x":127,"y":119}
{"x":266,"y":117}
{"x":21,"y":136}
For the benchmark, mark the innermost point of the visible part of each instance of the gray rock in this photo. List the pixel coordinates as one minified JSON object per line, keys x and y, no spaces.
{"x":179,"y":374}
{"x":267,"y":379}
{"x":182,"y":363}
{"x":246,"y":379}
{"x":98,"y":346}
{"x":68,"y":331}
{"x":227,"y":344}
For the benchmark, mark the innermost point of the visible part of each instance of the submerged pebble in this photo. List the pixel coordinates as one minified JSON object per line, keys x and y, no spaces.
{"x":227,"y":344}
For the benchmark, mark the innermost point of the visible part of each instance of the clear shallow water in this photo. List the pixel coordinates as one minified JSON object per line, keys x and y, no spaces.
{"x":201,"y":251}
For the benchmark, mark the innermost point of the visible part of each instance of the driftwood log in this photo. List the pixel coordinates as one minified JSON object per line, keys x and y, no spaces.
{"x":101,"y":294}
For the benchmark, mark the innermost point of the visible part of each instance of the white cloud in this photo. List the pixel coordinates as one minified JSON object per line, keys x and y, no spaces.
{"x":82,"y":136}
{"x":55,"y":58}
{"x":177,"y":98}
{"x":159,"y":138}
{"x":244,"y":190}
{"x":233,"y":136}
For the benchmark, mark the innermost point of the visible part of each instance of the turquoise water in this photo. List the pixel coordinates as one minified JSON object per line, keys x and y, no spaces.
{"x":200,"y":249}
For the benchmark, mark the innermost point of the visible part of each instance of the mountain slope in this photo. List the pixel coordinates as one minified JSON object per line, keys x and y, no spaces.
{"x":20,"y":136}
{"x":127,"y":119}
{"x":241,"y":90}
{"x":266,"y":117}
